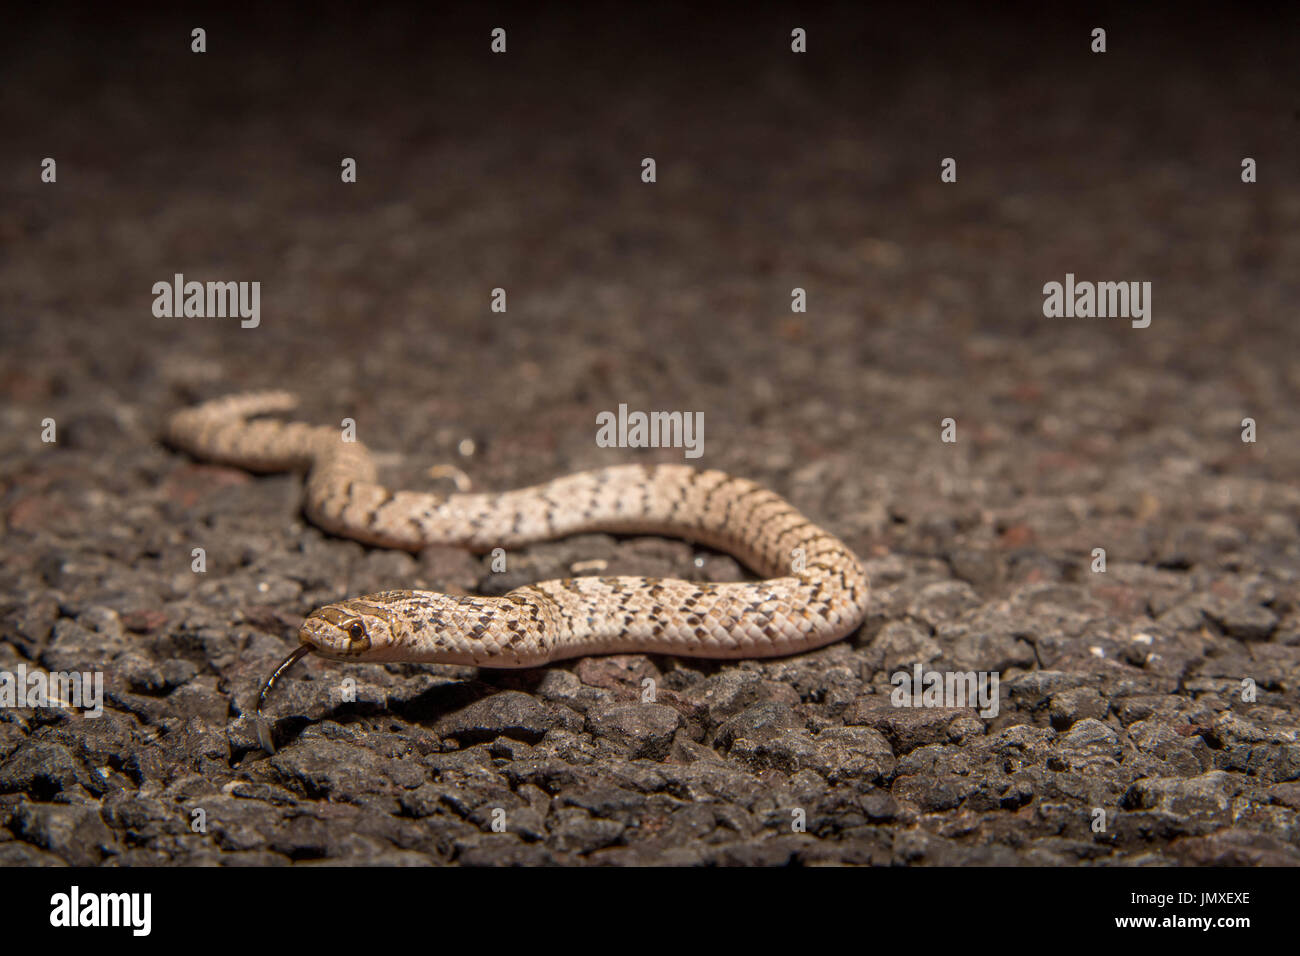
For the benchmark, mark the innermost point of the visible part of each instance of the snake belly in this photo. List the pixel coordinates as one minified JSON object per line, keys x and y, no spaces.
{"x":812,"y":591}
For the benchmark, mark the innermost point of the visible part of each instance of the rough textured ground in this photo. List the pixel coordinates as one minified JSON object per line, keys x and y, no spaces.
{"x":1121,"y":690}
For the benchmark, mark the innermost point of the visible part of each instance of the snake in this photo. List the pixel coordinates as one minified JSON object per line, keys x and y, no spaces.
{"x":811,"y":589}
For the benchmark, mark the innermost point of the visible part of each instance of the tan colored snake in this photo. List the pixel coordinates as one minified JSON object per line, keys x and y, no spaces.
{"x":814,"y":590}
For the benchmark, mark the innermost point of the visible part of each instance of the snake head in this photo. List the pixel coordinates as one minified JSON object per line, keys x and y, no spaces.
{"x":356,"y":630}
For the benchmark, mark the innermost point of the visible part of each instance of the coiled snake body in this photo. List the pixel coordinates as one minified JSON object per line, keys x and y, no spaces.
{"x":814,"y":590}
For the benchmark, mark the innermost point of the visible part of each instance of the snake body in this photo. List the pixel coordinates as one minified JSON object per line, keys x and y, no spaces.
{"x":813,"y":590}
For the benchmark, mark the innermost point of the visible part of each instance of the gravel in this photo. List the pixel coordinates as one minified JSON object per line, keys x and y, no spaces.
{"x":1162,"y":691}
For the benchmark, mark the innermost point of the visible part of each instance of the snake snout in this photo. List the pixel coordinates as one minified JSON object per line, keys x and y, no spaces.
{"x":341,"y":631}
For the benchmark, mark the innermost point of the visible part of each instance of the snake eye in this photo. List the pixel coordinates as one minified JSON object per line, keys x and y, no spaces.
{"x":357,"y":631}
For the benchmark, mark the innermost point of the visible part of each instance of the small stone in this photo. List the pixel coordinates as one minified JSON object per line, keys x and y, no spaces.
{"x":1208,"y":796}
{"x":76,"y":834}
{"x":646,"y":730}
{"x":943,"y":601}
{"x":903,"y":644}
{"x":759,"y":721}
{"x":1244,"y":620}
{"x":907,"y":728}
{"x":1068,"y":707}
{"x":579,"y":832}
{"x":42,"y":769}
{"x":1093,"y":736}
{"x":509,"y":713}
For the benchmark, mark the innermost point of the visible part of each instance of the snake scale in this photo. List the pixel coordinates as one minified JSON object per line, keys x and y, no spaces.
{"x":813,"y":590}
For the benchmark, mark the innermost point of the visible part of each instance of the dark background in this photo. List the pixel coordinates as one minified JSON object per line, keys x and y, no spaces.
{"x":775,"y":170}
